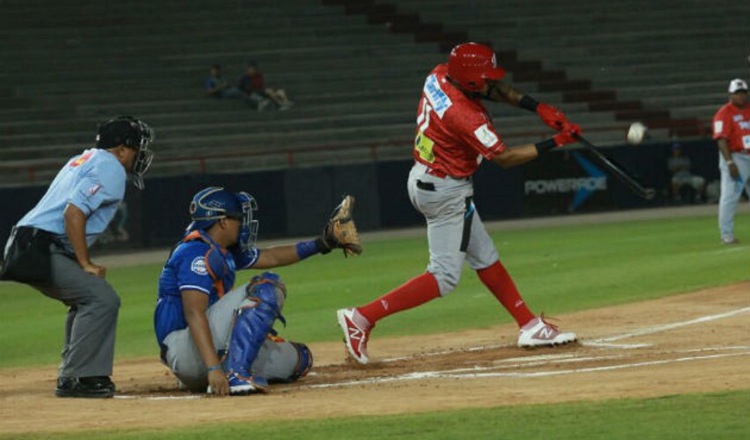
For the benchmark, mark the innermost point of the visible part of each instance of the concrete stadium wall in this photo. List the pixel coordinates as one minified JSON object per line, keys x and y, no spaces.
{"x":297,"y":202}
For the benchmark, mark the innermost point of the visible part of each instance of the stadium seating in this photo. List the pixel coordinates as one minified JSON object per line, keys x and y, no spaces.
{"x":354,"y":69}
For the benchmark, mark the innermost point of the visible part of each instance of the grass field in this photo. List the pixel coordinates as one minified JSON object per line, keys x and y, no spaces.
{"x":558,"y":269}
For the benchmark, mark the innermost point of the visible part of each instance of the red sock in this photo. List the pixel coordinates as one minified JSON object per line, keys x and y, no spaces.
{"x":498,"y":280}
{"x":414,"y":292}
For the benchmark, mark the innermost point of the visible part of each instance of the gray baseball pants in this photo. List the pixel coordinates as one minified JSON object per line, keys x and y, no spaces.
{"x":455,"y":231}
{"x":91,"y":324}
{"x":276,"y":360}
{"x":731,"y":191}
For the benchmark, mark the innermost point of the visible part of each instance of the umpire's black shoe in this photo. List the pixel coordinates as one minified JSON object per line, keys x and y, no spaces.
{"x":92,"y":387}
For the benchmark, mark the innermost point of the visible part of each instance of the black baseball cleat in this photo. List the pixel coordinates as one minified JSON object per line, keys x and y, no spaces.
{"x":89,"y":387}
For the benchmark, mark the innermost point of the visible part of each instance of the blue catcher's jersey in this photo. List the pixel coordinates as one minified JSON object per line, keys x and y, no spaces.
{"x":197,"y":263}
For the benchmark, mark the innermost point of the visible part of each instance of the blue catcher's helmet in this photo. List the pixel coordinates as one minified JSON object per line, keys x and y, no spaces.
{"x":214,"y":203}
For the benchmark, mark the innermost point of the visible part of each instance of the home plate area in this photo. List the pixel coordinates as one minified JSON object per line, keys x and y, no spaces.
{"x":639,"y":347}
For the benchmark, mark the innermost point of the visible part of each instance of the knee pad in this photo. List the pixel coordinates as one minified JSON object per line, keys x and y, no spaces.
{"x":262,"y":285}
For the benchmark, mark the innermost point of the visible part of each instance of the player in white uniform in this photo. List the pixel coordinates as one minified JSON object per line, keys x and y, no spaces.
{"x":454,"y":134}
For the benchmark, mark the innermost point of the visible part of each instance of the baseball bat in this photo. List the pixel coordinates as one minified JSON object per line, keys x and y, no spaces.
{"x":618,"y":171}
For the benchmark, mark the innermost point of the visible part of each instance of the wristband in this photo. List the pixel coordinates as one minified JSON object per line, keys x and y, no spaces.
{"x":307,"y":248}
{"x":528,"y":103}
{"x":730,"y":162}
{"x":544,"y":146}
{"x":214,"y":368}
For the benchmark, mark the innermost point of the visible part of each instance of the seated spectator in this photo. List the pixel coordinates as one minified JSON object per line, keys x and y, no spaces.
{"x":684,"y":183}
{"x":218,"y":87}
{"x":252,"y":82}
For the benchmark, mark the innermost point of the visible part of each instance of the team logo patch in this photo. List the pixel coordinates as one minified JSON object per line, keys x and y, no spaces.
{"x":718,"y":126}
{"x":198,"y":266}
{"x":486,"y":136}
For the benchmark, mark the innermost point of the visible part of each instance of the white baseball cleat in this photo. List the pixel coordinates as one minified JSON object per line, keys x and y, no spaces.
{"x":540,"y":333}
{"x":356,"y":333}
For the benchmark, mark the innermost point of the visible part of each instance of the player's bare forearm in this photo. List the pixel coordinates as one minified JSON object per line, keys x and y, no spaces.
{"x":517,"y":155}
{"x":503,"y":92}
{"x":75,"y":230}
{"x":276,"y":256}
{"x":724,"y":149}
{"x":194,"y":304}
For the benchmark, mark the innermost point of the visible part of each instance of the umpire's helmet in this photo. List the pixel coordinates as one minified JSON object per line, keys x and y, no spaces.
{"x":471,"y":64}
{"x":133,"y":133}
{"x":214,"y":203}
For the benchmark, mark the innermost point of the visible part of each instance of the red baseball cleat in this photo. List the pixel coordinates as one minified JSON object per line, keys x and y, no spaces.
{"x":356,"y":333}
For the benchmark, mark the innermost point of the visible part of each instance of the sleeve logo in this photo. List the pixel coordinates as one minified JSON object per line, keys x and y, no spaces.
{"x":198,"y":266}
{"x":718,"y":126}
{"x":486,"y":136}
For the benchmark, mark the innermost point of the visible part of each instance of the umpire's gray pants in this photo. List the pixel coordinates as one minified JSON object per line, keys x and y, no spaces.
{"x":90,"y":327}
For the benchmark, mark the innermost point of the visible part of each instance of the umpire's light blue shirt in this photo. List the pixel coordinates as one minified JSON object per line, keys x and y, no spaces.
{"x":94,"y":182}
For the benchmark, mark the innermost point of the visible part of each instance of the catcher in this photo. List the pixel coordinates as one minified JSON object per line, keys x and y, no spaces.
{"x":219,"y":338}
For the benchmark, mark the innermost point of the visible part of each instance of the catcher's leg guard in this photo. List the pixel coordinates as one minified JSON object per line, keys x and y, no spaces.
{"x":253,"y":321}
{"x":282,"y":361}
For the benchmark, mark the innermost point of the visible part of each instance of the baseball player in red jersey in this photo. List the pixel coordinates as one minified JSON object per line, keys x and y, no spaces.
{"x":732,"y":133}
{"x":454,"y":134}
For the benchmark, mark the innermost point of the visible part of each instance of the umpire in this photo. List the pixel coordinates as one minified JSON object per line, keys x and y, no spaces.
{"x":48,"y":250}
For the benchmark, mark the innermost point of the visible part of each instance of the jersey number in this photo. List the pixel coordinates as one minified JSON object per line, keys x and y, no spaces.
{"x":422,"y":143}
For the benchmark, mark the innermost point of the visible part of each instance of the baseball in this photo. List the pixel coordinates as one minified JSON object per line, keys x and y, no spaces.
{"x":636,"y":132}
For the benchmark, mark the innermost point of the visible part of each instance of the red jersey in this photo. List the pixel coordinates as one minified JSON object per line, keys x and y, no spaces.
{"x":733,"y":124}
{"x":454,"y":132}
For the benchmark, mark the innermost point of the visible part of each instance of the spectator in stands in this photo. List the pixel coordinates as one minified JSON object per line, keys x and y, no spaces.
{"x":253,"y":83}
{"x":218,"y":87}
{"x":731,"y":130}
{"x":679,"y":167}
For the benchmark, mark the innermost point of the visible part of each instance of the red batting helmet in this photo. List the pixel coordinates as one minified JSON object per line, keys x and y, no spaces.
{"x":471,"y":64}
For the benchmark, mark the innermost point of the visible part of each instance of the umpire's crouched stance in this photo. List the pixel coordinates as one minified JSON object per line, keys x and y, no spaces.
{"x":48,"y":250}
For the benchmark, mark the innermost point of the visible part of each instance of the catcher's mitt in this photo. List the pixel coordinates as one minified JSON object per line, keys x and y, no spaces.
{"x":341,"y":231}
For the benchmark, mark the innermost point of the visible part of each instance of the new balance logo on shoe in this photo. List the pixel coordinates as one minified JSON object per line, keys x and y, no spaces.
{"x":540,"y":333}
{"x":546,"y":333}
{"x":355,"y":335}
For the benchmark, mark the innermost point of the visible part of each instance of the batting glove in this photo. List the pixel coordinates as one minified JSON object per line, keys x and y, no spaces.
{"x":552,"y":116}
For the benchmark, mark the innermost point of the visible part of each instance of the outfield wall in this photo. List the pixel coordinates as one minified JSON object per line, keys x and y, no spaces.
{"x":297,"y":201}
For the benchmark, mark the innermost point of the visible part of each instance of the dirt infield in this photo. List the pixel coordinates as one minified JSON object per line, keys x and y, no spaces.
{"x":696,"y":342}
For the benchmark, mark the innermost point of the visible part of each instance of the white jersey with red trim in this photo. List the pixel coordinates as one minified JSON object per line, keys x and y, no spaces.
{"x":733,"y":124}
{"x":454,"y":132}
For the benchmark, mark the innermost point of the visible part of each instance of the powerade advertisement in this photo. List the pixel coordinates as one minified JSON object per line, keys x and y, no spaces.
{"x":566,"y":182}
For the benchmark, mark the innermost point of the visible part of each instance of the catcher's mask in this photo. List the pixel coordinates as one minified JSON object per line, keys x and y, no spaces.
{"x":472,"y":64}
{"x":214,"y":203}
{"x":133,"y":133}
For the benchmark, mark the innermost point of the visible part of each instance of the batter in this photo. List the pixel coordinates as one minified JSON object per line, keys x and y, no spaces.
{"x":454,"y":135}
